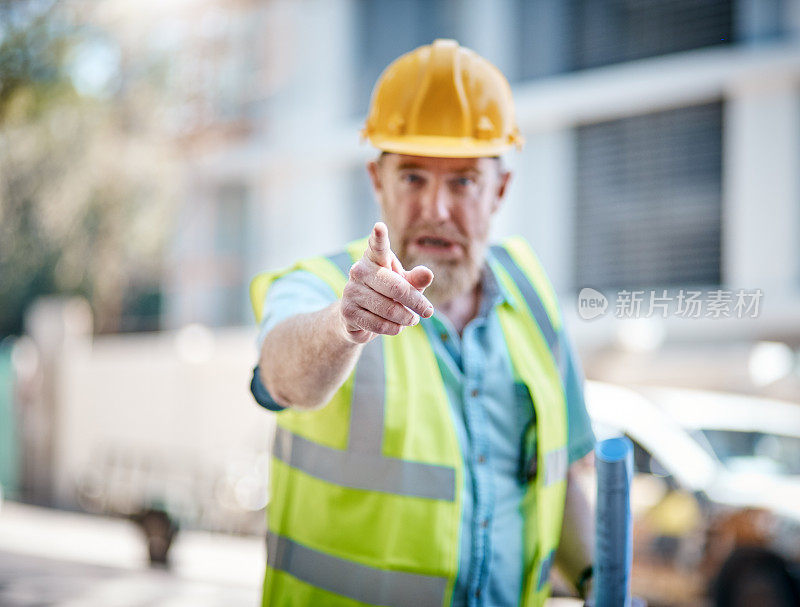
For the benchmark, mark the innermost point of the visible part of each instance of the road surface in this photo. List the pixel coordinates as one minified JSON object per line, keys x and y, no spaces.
{"x":50,"y":558}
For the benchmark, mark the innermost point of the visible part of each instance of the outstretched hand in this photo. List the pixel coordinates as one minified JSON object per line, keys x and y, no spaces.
{"x":381,"y":297}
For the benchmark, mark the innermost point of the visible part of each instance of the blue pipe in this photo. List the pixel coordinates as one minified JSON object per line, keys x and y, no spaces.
{"x":613,"y":526}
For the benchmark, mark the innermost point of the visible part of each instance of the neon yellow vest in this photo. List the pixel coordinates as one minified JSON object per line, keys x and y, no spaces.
{"x":366,"y":491}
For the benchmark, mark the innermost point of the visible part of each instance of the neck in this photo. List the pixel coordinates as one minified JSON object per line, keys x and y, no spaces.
{"x":462,"y":309}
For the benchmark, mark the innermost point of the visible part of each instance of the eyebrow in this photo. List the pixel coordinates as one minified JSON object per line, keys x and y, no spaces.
{"x":414,"y":165}
{"x":409,"y":164}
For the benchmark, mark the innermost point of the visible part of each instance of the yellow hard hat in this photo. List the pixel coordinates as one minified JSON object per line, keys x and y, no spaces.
{"x":442,"y":100}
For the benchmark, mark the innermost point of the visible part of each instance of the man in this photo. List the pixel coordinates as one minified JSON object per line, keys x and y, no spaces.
{"x":429,"y":399}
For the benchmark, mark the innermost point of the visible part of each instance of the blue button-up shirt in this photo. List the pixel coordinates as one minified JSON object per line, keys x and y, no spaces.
{"x":491,"y":412}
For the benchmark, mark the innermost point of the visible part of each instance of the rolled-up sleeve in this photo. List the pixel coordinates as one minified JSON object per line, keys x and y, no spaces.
{"x":298,"y":292}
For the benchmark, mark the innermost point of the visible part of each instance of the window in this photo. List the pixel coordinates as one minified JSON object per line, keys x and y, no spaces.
{"x":555,"y":36}
{"x":648,"y":200}
{"x":645,"y":463}
{"x":755,"y":451}
{"x":611,"y":31}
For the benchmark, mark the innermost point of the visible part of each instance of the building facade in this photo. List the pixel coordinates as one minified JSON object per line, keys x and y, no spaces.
{"x":663,"y":145}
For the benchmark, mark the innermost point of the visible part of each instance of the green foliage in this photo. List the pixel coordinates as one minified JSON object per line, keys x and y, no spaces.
{"x":85,"y":178}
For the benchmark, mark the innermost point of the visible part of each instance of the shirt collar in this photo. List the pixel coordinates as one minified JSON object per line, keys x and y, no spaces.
{"x":493,"y":292}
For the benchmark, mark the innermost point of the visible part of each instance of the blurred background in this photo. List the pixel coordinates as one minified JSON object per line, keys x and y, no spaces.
{"x":155,"y":155}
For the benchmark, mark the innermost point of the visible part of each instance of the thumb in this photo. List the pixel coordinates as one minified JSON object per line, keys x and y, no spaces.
{"x":420,"y":277}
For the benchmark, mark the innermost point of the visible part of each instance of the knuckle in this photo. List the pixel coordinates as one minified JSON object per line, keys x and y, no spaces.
{"x":376,"y":326}
{"x":377,"y":307}
{"x":349,"y":310}
{"x":387,"y":309}
{"x":396,"y":289}
{"x":372,"y":304}
{"x":362,"y":336}
{"x":357,"y":271}
{"x":363,"y":321}
{"x":401,"y":315}
{"x":352,"y":293}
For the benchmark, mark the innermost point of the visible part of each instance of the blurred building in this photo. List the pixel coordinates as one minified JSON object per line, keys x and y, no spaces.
{"x":663,"y":146}
{"x":663,"y":140}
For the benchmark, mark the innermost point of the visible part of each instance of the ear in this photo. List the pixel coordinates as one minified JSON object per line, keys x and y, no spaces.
{"x":502,"y":186}
{"x":374,"y":170}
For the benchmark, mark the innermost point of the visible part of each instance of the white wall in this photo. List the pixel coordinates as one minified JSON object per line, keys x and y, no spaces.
{"x":162,"y":418}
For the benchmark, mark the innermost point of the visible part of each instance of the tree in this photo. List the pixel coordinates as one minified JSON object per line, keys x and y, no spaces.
{"x":86,"y":172}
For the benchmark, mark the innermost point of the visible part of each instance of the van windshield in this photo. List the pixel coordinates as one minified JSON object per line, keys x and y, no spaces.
{"x":755,"y":451}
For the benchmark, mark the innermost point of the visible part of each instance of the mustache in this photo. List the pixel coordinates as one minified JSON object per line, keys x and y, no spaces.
{"x":434,"y":230}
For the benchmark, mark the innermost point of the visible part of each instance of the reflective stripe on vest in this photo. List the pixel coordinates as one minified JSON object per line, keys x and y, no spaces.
{"x":353,"y":580}
{"x":536,"y":307}
{"x":362,"y":466}
{"x":544,"y":570}
{"x":555,"y":466}
{"x":351,"y":469}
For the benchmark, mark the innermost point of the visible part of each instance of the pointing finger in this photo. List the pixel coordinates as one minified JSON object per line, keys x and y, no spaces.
{"x":379,"y":250}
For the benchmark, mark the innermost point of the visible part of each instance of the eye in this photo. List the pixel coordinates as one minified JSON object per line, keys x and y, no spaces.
{"x":411,"y":178}
{"x":463,"y":182}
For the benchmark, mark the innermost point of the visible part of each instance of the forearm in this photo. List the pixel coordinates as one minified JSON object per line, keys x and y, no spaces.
{"x":306,"y":358}
{"x":577,"y":531}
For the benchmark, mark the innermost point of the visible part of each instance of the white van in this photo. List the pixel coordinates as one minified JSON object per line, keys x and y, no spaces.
{"x":715,"y":495}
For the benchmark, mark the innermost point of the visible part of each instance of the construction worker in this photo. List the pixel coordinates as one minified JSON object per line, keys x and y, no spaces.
{"x":430,"y":403}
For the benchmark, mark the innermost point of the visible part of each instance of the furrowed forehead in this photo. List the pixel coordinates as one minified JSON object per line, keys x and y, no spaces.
{"x":449,"y":165}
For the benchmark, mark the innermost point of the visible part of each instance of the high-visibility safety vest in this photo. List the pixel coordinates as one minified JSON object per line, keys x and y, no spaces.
{"x":366,"y":491}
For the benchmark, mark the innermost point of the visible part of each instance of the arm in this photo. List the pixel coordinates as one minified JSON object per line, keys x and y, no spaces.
{"x":307,"y":357}
{"x":574,"y":552}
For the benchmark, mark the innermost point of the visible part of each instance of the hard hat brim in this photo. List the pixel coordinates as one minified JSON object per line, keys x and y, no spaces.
{"x":441,"y":147}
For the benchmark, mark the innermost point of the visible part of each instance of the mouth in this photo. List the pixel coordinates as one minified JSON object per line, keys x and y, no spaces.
{"x":436,"y":245}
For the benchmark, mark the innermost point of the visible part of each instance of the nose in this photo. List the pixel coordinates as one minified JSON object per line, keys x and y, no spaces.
{"x":436,"y":206}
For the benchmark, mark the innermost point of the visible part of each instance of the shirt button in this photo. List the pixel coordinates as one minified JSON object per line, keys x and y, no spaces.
{"x":485,"y":523}
{"x":474,"y":393}
{"x":481,"y":459}
{"x":478,"y":593}
{"x":443,"y":335}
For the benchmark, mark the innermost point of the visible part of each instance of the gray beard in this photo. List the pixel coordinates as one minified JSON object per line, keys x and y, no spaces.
{"x":450,"y":279}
